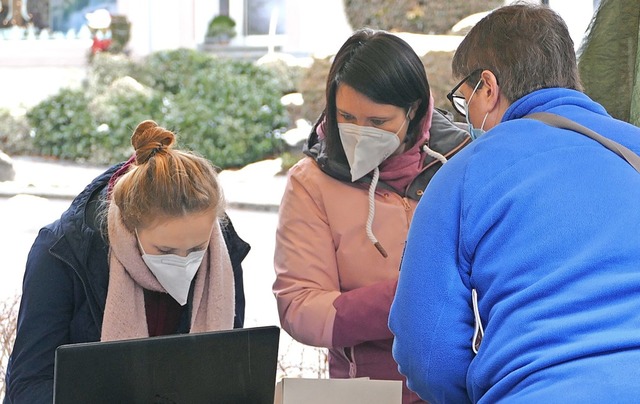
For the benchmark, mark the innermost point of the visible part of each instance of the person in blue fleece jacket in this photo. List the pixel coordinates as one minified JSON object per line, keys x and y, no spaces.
{"x":525,"y":247}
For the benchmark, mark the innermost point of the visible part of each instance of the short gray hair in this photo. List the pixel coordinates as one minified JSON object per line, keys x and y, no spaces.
{"x":527,"y":47}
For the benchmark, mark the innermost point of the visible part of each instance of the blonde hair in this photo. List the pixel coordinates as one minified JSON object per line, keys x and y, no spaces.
{"x":165,"y":182}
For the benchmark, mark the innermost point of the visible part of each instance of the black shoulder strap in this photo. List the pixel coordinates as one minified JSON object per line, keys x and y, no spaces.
{"x":565,"y":123}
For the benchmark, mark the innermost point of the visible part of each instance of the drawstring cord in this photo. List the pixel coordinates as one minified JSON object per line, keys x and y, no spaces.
{"x":478,"y":330}
{"x":434,"y":154}
{"x":372,"y":200}
{"x":372,"y":211}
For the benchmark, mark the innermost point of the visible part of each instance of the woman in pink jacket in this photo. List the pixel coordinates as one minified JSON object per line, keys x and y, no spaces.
{"x":347,"y":206}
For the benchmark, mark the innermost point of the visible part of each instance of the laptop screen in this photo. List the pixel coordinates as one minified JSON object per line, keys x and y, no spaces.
{"x":234,"y":366}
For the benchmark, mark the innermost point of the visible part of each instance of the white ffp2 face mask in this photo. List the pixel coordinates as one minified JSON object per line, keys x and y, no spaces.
{"x":174,"y":272}
{"x":366,"y":147}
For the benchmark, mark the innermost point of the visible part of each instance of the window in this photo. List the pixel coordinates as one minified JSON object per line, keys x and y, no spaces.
{"x":258,"y":14}
{"x":70,"y":14}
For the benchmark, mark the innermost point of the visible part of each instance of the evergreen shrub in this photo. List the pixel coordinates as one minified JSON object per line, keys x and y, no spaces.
{"x":15,"y":138}
{"x":225,"y":110}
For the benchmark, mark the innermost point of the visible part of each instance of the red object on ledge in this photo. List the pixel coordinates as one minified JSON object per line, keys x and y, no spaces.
{"x":100,"y":45}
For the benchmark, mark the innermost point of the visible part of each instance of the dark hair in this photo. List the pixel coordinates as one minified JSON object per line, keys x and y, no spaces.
{"x":385,"y":69}
{"x":165,"y":182}
{"x":527,"y":47}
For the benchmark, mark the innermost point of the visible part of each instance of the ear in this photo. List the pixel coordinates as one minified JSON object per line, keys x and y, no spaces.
{"x":490,"y":89}
{"x":413,"y":108}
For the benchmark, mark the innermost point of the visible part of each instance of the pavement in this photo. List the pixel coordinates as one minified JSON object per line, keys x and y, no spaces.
{"x":257,"y":186}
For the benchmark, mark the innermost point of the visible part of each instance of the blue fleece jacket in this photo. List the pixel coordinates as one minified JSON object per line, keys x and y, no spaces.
{"x":544,"y":224}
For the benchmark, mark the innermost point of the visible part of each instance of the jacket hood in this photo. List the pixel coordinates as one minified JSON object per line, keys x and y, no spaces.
{"x":317,"y":149}
{"x":446,"y":138}
{"x":79,"y":224}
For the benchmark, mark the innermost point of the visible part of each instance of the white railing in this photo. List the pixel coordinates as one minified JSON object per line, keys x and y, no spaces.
{"x":24,"y":47}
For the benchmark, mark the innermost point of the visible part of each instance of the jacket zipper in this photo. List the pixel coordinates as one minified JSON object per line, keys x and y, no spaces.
{"x":407,"y":207}
{"x":350,"y":358}
{"x":352,"y":363}
{"x":84,"y":286}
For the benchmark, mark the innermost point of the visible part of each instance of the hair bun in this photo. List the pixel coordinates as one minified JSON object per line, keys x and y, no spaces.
{"x":149,"y":139}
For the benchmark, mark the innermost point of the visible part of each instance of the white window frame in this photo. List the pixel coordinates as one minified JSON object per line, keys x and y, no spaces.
{"x":237,"y":11}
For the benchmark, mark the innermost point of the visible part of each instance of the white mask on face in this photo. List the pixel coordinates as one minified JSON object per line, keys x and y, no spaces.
{"x":366,"y":146}
{"x":174,"y":272}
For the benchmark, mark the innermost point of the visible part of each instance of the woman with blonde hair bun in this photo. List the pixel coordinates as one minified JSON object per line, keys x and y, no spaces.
{"x":145,"y":250}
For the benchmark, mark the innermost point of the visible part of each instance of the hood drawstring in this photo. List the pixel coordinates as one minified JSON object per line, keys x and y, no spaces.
{"x":434,"y":154}
{"x":372,"y":211}
{"x":372,"y":199}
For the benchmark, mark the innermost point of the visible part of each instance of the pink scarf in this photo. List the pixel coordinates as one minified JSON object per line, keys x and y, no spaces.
{"x":125,"y":316}
{"x":398,"y":171}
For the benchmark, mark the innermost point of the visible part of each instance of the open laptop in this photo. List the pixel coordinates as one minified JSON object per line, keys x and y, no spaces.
{"x":234,"y":366}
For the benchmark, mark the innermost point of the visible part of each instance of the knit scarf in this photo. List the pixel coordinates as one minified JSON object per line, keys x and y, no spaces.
{"x":398,"y":171}
{"x":212,"y":306}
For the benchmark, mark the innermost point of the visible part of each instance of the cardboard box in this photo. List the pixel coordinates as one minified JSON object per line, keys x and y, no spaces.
{"x":338,"y":391}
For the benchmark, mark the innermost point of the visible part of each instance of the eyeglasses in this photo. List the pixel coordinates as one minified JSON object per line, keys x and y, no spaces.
{"x":457,"y":101}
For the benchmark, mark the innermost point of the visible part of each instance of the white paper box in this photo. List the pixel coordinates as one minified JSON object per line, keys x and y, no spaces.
{"x":338,"y":391}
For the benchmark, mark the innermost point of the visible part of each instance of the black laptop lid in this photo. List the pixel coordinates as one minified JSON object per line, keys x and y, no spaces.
{"x":235,"y":366}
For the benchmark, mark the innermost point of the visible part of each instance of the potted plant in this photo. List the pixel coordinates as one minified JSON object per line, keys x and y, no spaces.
{"x":221,"y":30}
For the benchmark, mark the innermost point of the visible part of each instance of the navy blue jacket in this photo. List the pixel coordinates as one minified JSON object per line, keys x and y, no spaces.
{"x":65,"y":290}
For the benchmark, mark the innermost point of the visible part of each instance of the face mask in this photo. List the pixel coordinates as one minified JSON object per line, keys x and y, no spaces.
{"x":174,"y":272}
{"x":475,"y":133}
{"x":366,"y":147}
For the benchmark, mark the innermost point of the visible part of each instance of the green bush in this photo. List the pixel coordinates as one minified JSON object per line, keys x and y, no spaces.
{"x":14,"y":134}
{"x":120,"y":33}
{"x":285,"y":68}
{"x":108,"y":67}
{"x":71,"y":126}
{"x":168,"y":71}
{"x":117,"y":112}
{"x":221,"y":28}
{"x":63,"y":126}
{"x":228,"y":111}
{"x":289,"y":159}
